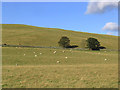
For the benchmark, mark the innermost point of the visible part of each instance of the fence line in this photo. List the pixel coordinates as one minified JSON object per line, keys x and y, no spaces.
{"x":49,"y":47}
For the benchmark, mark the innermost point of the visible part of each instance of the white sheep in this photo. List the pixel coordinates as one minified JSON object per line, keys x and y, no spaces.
{"x":105,"y":59}
{"x":24,"y":54}
{"x":54,"y":52}
{"x":66,"y":57}
{"x":33,"y":52}
{"x":58,"y":61}
{"x":35,"y":55}
{"x":63,"y":51}
{"x":40,"y":53}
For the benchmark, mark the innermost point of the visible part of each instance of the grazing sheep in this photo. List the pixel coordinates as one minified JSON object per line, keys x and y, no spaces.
{"x":33,"y":52}
{"x":58,"y":61}
{"x":16,"y":64}
{"x":63,"y":51}
{"x":66,"y":57}
{"x":40,"y":53}
{"x":24,"y":54}
{"x":35,"y":55}
{"x":105,"y":59}
{"x":54,"y":52}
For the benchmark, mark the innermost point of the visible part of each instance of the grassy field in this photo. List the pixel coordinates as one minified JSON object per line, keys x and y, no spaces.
{"x":67,"y":68}
{"x":81,"y":69}
{"x":38,"y":36}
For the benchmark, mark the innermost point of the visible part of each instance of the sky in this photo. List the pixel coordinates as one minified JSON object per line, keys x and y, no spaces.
{"x":92,"y":17}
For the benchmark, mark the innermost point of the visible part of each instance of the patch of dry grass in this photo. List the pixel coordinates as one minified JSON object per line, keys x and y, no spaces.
{"x":61,"y":76}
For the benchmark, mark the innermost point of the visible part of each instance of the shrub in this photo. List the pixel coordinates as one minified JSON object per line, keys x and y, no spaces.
{"x":93,"y":44}
{"x":64,"y":42}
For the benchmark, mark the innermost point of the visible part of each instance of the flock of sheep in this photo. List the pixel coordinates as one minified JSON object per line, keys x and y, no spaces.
{"x":55,"y":53}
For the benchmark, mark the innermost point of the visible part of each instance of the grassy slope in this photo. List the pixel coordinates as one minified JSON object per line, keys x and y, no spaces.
{"x":39,"y":36}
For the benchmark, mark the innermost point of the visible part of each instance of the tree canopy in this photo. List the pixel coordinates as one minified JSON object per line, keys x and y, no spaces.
{"x":93,"y":44}
{"x":64,"y":42}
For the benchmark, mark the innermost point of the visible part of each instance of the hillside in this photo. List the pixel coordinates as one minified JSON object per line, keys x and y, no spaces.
{"x":38,"y":36}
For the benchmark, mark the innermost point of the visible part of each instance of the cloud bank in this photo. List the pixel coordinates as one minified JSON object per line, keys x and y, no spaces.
{"x":100,"y":7}
{"x":110,"y":26}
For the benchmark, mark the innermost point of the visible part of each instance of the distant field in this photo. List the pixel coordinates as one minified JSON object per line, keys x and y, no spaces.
{"x":81,"y":69}
{"x":38,"y":36}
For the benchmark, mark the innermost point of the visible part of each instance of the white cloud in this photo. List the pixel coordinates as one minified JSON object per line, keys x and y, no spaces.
{"x":100,"y":7}
{"x":110,"y":33}
{"x":111,"y":26}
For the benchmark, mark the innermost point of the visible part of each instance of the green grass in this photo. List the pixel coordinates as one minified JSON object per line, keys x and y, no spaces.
{"x":39,"y":36}
{"x":11,"y":56}
{"x":82,"y":69}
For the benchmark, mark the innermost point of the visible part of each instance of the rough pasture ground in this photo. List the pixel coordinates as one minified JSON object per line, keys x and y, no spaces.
{"x":84,"y":69}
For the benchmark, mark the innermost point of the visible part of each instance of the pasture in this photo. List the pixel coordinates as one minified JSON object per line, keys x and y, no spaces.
{"x":17,"y":34}
{"x":49,"y":68}
{"x":56,"y":68}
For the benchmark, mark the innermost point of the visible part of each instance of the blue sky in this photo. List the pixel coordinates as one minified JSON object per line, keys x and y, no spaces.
{"x":65,"y":15}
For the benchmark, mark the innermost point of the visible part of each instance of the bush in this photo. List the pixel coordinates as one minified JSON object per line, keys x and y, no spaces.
{"x":64,"y":42}
{"x":93,"y":44}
